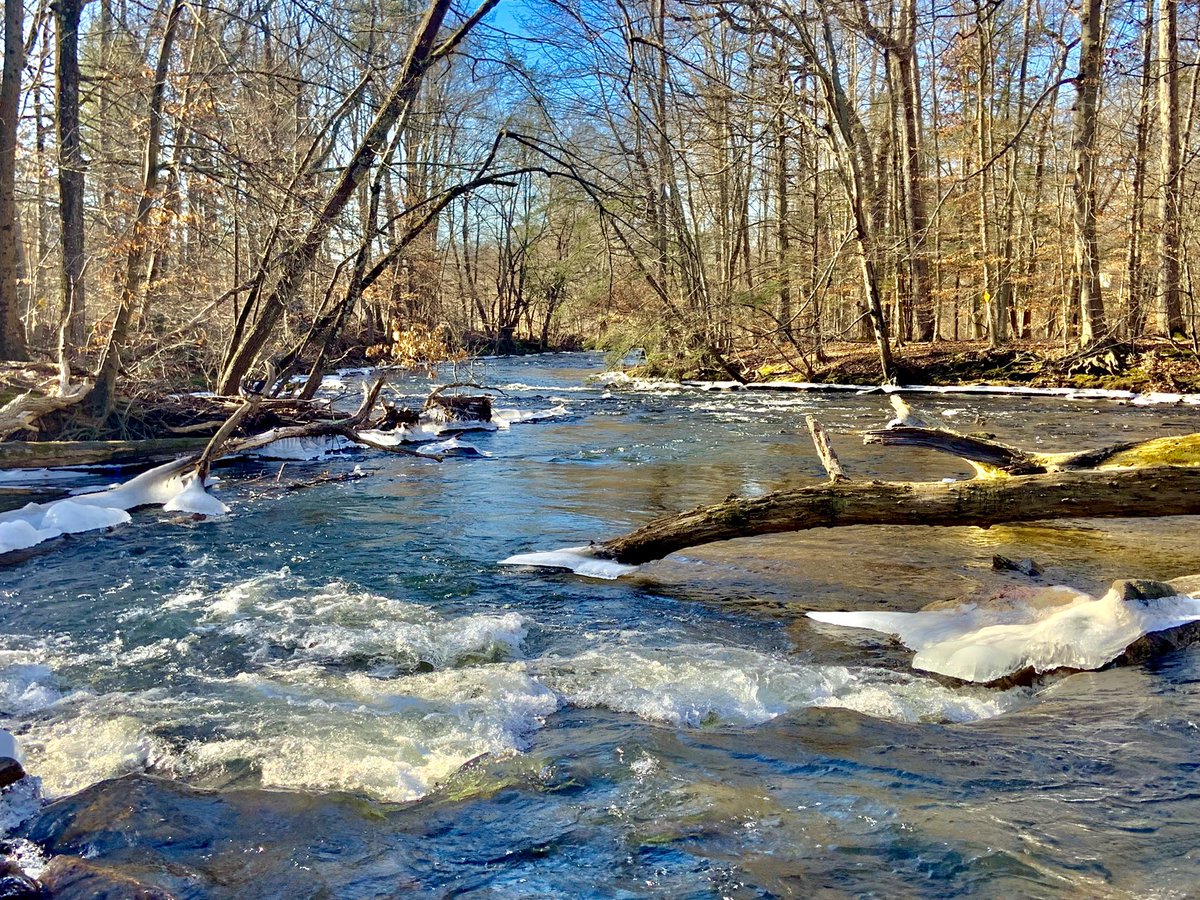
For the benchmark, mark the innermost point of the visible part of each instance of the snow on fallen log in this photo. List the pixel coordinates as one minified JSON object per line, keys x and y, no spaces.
{"x":580,"y":560}
{"x":1055,"y":630}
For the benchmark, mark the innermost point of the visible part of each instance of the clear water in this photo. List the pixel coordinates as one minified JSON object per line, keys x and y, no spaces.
{"x":336,"y":692}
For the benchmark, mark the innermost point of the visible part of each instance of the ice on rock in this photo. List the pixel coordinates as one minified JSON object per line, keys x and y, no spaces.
{"x":984,"y":644}
{"x":453,"y":447}
{"x":580,"y":560}
{"x":506,"y":418}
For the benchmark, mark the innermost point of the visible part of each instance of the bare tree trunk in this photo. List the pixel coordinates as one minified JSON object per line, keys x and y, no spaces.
{"x":73,"y":305}
{"x":1134,"y":270}
{"x":1170,"y":304}
{"x":12,"y":332}
{"x":1087,"y":251}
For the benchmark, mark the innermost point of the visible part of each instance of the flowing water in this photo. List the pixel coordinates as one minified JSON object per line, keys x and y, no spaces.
{"x":336,"y":692}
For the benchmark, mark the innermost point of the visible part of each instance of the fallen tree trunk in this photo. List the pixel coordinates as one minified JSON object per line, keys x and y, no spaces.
{"x":65,"y":454}
{"x":1140,"y":492}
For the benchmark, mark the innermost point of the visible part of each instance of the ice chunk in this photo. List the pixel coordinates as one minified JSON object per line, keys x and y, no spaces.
{"x":195,"y":499}
{"x":10,"y":748}
{"x":71,"y":517}
{"x":20,"y":534}
{"x":304,"y":448}
{"x":580,"y":560}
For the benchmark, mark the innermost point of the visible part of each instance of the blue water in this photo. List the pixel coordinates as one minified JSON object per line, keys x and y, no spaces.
{"x":337,"y":692}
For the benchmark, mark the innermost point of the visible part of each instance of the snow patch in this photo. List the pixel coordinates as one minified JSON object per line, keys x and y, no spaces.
{"x":983,"y":643}
{"x":580,"y":560}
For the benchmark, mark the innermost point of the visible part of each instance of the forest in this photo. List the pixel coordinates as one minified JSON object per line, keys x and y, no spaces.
{"x":201,"y":193}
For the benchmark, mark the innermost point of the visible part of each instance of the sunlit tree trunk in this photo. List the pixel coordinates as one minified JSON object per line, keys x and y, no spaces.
{"x":1170,"y":305}
{"x":1087,"y":251}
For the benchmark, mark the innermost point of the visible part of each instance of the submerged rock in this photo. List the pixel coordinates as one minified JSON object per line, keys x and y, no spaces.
{"x":1024,"y":566}
{"x":16,"y":885}
{"x":10,"y":771}
{"x":68,"y":877}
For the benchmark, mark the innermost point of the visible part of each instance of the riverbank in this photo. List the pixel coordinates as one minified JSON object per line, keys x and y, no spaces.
{"x":1147,"y":366}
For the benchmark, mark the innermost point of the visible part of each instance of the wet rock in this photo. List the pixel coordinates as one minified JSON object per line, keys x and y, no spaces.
{"x":16,"y":885}
{"x":10,"y":771}
{"x":68,"y":878}
{"x":1143,"y":589}
{"x":1024,"y":566}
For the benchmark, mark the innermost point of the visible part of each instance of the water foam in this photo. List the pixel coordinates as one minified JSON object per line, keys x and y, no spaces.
{"x":708,"y":684}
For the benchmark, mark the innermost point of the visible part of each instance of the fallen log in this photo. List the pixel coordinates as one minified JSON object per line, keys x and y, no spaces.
{"x":1138,"y":492}
{"x":66,"y":454}
{"x":994,"y":459}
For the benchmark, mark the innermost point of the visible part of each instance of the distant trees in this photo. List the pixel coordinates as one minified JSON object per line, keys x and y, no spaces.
{"x":216,"y":186}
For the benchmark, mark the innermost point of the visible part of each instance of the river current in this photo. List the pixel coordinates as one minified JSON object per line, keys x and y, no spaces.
{"x":337,"y":692}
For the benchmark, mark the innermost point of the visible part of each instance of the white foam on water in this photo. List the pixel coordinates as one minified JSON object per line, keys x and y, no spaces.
{"x":580,"y":560}
{"x":982,"y":643}
{"x":392,"y":739}
{"x":27,"y":684}
{"x":20,"y":802}
{"x":506,"y":418}
{"x":337,"y":623}
{"x":91,"y":745}
{"x":707,"y":684}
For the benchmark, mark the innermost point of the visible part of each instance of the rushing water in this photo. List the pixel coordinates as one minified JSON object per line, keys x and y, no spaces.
{"x":337,"y":692}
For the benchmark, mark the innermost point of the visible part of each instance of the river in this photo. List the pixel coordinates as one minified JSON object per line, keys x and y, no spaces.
{"x":337,"y":692}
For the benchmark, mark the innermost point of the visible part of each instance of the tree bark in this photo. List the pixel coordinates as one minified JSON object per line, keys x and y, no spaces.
{"x":12,"y":332}
{"x":100,"y":400}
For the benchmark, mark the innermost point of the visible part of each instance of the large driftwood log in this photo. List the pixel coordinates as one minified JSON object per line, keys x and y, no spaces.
{"x":21,"y":413}
{"x":1149,"y":491}
{"x":1158,"y":477}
